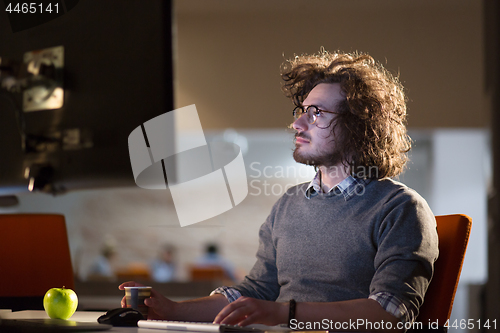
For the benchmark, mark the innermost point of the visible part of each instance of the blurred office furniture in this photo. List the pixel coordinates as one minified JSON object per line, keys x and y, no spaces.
{"x":35,"y":257}
{"x":134,"y":271}
{"x":453,"y":232}
{"x":207,"y":273}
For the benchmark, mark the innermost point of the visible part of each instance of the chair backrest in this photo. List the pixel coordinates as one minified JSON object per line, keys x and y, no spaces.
{"x":453,"y":233}
{"x":34,"y":255}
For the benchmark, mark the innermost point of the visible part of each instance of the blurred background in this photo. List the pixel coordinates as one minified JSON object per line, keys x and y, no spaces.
{"x":226,"y":60}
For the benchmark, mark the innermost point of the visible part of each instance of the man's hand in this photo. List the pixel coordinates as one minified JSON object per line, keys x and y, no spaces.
{"x":160,"y":307}
{"x":245,"y":311}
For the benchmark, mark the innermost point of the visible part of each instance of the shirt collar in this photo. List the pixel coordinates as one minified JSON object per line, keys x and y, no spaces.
{"x":347,"y":187}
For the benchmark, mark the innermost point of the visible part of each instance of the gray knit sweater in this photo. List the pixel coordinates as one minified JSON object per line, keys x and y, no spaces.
{"x":334,"y":247}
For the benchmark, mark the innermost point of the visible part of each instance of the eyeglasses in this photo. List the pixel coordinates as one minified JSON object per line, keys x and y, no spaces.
{"x":312,"y":111}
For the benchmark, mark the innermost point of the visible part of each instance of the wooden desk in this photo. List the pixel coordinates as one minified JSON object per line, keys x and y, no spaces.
{"x":81,"y":316}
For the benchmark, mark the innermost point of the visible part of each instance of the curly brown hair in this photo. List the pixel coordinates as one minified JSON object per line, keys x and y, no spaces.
{"x":371,"y":118}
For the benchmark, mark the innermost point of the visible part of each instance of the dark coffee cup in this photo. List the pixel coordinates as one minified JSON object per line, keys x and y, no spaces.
{"x":135,"y":296}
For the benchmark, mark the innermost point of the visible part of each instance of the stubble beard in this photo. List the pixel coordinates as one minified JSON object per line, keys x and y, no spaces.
{"x":324,"y":158}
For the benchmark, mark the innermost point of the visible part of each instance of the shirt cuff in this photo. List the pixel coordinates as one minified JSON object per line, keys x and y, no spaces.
{"x":393,"y":305}
{"x":230,"y":293}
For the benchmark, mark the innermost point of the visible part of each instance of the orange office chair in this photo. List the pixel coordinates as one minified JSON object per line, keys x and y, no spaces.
{"x":34,"y":257}
{"x":453,"y":233}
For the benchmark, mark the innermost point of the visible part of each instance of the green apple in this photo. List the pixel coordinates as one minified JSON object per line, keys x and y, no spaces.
{"x":60,"y":303}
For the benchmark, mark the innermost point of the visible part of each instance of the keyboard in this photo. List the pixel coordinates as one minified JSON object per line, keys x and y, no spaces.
{"x":205,"y":327}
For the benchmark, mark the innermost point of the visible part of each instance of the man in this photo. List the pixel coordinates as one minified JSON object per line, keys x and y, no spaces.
{"x":352,"y":244}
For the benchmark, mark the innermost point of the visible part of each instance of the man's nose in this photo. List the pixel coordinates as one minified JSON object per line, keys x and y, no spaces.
{"x":300,"y":124}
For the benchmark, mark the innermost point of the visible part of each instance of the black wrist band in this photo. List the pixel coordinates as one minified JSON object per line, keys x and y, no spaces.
{"x":291,"y":311}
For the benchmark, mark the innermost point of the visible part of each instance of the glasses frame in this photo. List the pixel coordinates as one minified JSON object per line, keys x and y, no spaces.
{"x":309,"y":110}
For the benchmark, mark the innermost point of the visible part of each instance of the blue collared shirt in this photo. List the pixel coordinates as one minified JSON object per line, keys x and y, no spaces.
{"x":348,"y":187}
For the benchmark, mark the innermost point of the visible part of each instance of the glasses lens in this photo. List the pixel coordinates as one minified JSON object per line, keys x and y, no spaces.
{"x":297,"y":112}
{"x":312,"y":114}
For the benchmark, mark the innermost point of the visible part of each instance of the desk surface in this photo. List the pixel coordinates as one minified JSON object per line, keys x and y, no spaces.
{"x":83,"y":316}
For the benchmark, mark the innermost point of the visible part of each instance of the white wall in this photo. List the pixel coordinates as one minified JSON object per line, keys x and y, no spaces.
{"x":461,"y":178}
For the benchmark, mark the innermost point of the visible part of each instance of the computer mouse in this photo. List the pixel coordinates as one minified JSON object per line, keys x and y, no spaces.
{"x":121,"y":317}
